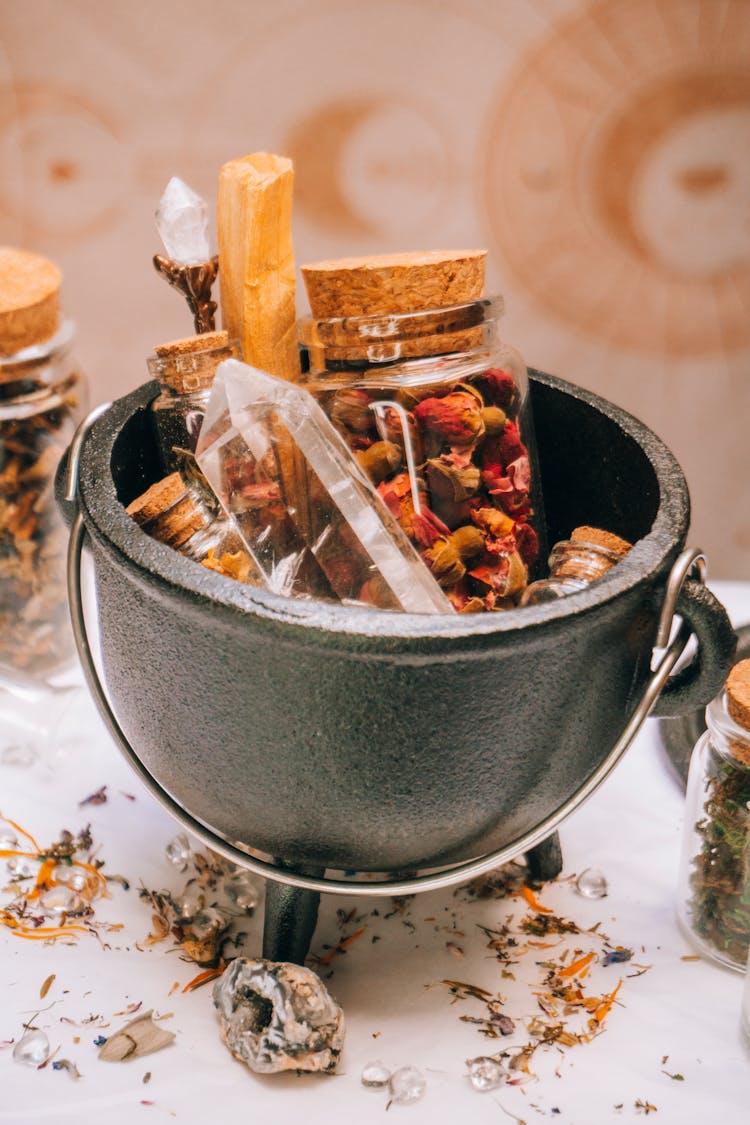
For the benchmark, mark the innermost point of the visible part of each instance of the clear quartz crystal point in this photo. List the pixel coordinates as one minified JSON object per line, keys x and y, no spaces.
{"x":485,"y":1073}
{"x":407,"y":1084}
{"x":32,"y":1049}
{"x":375,"y":1075}
{"x":179,"y":852}
{"x":242,"y":891}
{"x":309,"y":517}
{"x":182,"y":222}
{"x":592,"y":883}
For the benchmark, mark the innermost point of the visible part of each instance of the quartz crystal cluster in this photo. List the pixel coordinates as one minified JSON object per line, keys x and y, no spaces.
{"x":182,"y":222}
{"x":278,"y":1016}
{"x":307,"y":514}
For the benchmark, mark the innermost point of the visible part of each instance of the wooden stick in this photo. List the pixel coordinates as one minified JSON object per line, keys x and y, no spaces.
{"x":254,"y":218}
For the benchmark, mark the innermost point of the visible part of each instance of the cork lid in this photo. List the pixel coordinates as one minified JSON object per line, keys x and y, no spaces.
{"x":599,"y":538}
{"x":29,"y":299}
{"x":157,"y":498}
{"x":738,"y":694}
{"x":394,"y":283}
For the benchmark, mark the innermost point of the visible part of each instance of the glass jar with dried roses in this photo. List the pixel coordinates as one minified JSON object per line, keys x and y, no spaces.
{"x":435,"y":407}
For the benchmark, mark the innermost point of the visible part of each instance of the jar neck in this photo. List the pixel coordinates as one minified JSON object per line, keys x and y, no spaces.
{"x":727,"y":737}
{"x":191,"y":372}
{"x":336,"y":344}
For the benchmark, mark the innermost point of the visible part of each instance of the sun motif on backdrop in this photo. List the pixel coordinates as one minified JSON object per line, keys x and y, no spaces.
{"x":617,"y":175}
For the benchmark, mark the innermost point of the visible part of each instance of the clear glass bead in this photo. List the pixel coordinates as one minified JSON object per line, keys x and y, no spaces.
{"x":207,"y":922}
{"x":76,"y":879}
{"x":62,"y":900}
{"x":375,"y":1075}
{"x":592,"y":883}
{"x":407,"y":1084}
{"x":19,"y":866}
{"x":179,"y":852}
{"x":242,"y":891}
{"x":485,"y":1073}
{"x":32,"y":1049}
{"x":191,"y":901}
{"x":8,"y":840}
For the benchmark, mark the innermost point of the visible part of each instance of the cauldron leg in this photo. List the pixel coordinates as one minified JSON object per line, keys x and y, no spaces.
{"x":289,"y":922}
{"x":544,"y":860}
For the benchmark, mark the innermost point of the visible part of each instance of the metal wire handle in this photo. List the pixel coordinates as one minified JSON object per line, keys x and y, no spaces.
{"x":666,"y":655}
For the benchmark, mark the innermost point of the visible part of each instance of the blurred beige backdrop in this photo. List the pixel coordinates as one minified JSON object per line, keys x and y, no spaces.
{"x":599,"y":150}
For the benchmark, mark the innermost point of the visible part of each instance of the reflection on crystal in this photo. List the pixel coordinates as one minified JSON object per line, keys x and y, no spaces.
{"x":407,"y":1084}
{"x":191,"y":901}
{"x":32,"y":1049}
{"x":182,"y":221}
{"x":485,"y":1073}
{"x":307,"y":513}
{"x":592,"y":883}
{"x":375,"y":1075}
{"x":179,"y":852}
{"x":62,"y":900}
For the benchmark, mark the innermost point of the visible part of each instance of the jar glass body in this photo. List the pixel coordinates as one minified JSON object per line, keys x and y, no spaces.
{"x":434,"y":405}
{"x":42,"y":398}
{"x":714,"y":890}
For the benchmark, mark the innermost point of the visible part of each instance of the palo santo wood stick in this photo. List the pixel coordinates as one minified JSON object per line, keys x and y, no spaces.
{"x":394,"y":283}
{"x":254,"y":218}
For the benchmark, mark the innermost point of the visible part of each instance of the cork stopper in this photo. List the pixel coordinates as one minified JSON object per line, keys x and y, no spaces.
{"x":29,"y":299}
{"x":394,"y":283}
{"x":156,"y":499}
{"x":738,"y":694}
{"x":189,"y":364}
{"x":599,"y":538}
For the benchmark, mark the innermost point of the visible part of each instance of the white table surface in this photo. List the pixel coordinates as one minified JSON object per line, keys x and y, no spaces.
{"x":630,"y":829}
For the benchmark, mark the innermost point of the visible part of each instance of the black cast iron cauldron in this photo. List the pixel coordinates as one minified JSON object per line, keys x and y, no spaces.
{"x":298,"y":736}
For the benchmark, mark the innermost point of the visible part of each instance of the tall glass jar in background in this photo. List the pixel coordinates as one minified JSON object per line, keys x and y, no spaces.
{"x":435,"y":407}
{"x":42,"y":398}
{"x":714,"y":893}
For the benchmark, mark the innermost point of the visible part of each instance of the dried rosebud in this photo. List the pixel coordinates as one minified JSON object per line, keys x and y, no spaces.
{"x":428,"y":528}
{"x":396,"y":493}
{"x":498,"y":387}
{"x":455,"y":419}
{"x":527,"y":543}
{"x":393,"y":431}
{"x":468,"y":541}
{"x":351,"y":409}
{"x":507,"y":577}
{"x":462,"y":601}
{"x":493,"y":521}
{"x":450,"y":481}
{"x":495,"y":420}
{"x":445,"y":562}
{"x":380,"y":460}
{"x":504,"y":448}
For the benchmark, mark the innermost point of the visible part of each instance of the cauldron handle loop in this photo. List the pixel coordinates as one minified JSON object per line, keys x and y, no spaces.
{"x":666,"y":659}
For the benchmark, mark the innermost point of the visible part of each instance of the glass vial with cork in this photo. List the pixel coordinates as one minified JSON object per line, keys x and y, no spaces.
{"x":406,"y":358}
{"x":575,"y":563}
{"x":42,"y":396}
{"x":185,"y":370}
{"x":714,"y":894}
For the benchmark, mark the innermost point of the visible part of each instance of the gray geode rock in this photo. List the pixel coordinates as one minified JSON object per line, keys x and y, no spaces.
{"x":278,"y":1016}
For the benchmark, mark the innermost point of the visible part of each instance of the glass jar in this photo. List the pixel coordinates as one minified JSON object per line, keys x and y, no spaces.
{"x":435,"y":407}
{"x":42,"y":398}
{"x":185,"y":370}
{"x":714,"y":894}
{"x":575,"y":563}
{"x":181,"y":511}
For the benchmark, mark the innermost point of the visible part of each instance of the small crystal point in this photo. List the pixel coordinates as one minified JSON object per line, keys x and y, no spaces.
{"x":485,"y":1073}
{"x":32,"y":1049}
{"x":375,"y":1075}
{"x":182,"y":222}
{"x":591,"y":883}
{"x":407,"y":1085}
{"x":179,"y":852}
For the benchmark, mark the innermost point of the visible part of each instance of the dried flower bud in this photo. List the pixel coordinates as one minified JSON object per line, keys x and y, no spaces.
{"x":493,"y":521}
{"x":498,"y":387}
{"x":494,"y":419}
{"x":380,"y":460}
{"x":351,"y":409}
{"x":468,"y":541}
{"x":455,"y":420}
{"x":445,"y":562}
{"x":452,"y":482}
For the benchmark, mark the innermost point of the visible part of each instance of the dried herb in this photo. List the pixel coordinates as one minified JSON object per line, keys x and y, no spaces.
{"x":140,"y":1036}
{"x":720,"y":879}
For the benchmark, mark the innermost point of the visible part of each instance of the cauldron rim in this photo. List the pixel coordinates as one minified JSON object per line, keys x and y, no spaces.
{"x":174,"y":575}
